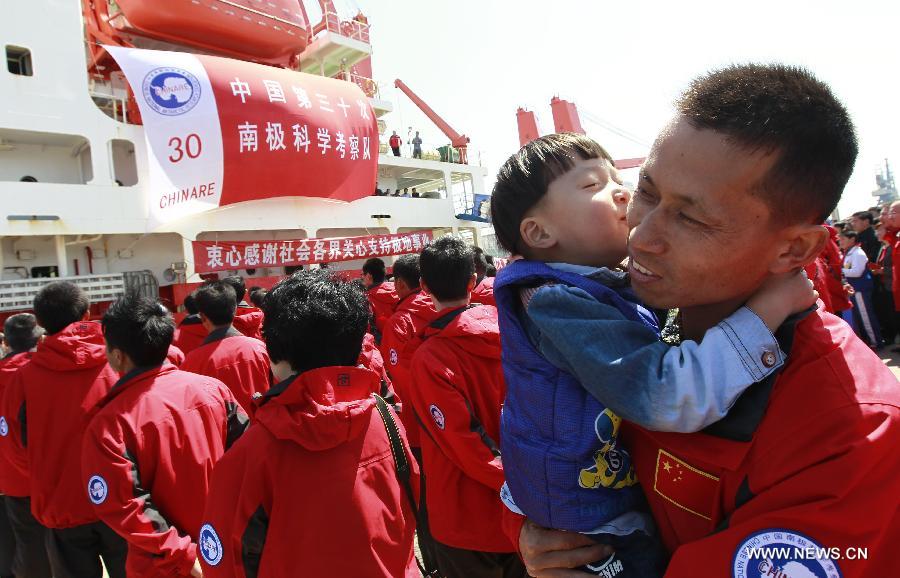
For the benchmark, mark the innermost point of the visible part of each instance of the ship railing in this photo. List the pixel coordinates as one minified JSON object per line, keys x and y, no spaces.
{"x":19,"y":295}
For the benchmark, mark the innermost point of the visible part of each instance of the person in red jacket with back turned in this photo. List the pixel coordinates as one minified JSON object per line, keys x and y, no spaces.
{"x":312,"y":488}
{"x":190,"y":332}
{"x":247,"y":318}
{"x":28,"y":551}
{"x":150,"y":448}
{"x":239,"y":361}
{"x":67,"y":376}
{"x":484,"y":286}
{"x":458,"y":393}
{"x":382,"y":297}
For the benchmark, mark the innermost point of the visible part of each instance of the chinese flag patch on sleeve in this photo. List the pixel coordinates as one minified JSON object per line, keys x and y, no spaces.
{"x":685,"y":486}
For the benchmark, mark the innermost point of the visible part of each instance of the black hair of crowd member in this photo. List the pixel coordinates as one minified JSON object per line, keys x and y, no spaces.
{"x":481,"y":263}
{"x":447,"y":265}
{"x":217,"y":302}
{"x":315,"y":319}
{"x":786,"y":111}
{"x":140,"y":327}
{"x":21,"y":332}
{"x":59,"y":304}
{"x":376,"y":268}
{"x":257,"y":296}
{"x":237,"y":283}
{"x":406,"y":267}
{"x":865,"y":216}
{"x":850,"y":234}
{"x":524,"y":178}
{"x":491,"y":271}
{"x":190,"y":305}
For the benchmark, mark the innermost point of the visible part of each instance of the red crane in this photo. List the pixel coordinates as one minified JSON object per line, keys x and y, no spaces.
{"x":457,"y":141}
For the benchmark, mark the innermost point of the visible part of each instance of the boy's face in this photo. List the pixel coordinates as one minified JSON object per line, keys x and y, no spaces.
{"x":581,"y":219}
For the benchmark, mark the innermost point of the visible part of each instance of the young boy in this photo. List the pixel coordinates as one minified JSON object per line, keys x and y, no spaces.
{"x":580,"y":353}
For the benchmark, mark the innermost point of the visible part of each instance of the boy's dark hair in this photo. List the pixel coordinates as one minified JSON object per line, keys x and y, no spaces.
{"x":21,"y":332}
{"x":406,"y":267}
{"x":523,"y":179}
{"x":481,"y":263}
{"x":237,"y":283}
{"x":190,"y":305}
{"x":217,"y":301}
{"x":850,"y":234}
{"x":257,"y":296}
{"x":59,"y":304}
{"x":315,"y":319}
{"x":864,"y":216}
{"x":376,"y":268}
{"x":784,"y":110}
{"x":140,"y":327}
{"x":447,"y":265}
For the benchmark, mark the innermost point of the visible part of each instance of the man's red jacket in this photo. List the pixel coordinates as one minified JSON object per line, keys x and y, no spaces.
{"x":382,"y":300}
{"x":484,"y":292}
{"x":147,"y":458}
{"x":411,"y":315}
{"x":13,"y":461}
{"x":67,"y":376}
{"x":190,"y":334}
{"x":240,"y":362}
{"x":892,"y":238}
{"x":458,"y":395}
{"x":395,"y":141}
{"x":248,"y":320}
{"x":311,"y":489}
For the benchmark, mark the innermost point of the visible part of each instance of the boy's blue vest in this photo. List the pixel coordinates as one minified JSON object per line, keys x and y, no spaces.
{"x":561,"y":459}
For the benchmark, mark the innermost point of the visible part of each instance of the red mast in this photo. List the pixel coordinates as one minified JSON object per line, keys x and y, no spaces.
{"x":457,"y":141}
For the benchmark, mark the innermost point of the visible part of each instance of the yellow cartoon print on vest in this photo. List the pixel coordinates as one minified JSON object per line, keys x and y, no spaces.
{"x":612,"y":467}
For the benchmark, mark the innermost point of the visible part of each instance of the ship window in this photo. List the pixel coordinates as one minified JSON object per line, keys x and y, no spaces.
{"x":18,"y":60}
{"x":124,"y":162}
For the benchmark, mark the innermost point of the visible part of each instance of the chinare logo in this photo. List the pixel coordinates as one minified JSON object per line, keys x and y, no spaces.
{"x":171,"y":91}
{"x":780,"y":553}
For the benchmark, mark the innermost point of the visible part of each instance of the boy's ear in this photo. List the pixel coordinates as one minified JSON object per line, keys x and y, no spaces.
{"x":534,"y":234}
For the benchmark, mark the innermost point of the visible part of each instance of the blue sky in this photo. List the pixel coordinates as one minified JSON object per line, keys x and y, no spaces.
{"x":476,"y":61}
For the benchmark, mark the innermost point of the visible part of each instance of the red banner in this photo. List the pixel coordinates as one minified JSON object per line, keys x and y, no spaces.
{"x":210,"y":256}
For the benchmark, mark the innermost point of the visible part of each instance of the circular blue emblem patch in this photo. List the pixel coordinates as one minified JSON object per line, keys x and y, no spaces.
{"x":4,"y":427}
{"x":394,"y":358}
{"x":437,"y":415}
{"x":210,"y":545}
{"x":171,"y":91}
{"x":784,"y":553}
{"x":97,"y":489}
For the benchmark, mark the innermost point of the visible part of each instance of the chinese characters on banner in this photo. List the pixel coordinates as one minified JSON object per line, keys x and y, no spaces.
{"x":210,"y":256}
{"x":223,"y":131}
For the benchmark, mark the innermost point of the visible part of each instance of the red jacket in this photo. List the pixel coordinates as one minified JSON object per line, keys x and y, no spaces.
{"x":190,"y":334}
{"x":410,"y":317}
{"x":833,"y":263}
{"x":823,"y":464}
{"x":175,"y":356}
{"x":484,"y":292}
{"x":458,"y":394}
{"x":147,"y":458}
{"x":893,"y":239}
{"x":14,"y":479}
{"x":67,"y":376}
{"x":382,"y":300}
{"x":248,"y":320}
{"x":395,"y":141}
{"x":240,"y":362}
{"x":311,"y":489}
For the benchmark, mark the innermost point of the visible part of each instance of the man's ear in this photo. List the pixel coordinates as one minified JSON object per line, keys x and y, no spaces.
{"x":800,"y":245}
{"x":534,"y":234}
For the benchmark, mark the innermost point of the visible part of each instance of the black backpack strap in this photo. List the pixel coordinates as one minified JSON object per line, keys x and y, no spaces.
{"x":404,"y":469}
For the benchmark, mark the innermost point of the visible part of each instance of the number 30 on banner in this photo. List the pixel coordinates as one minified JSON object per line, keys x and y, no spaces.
{"x":191,"y":147}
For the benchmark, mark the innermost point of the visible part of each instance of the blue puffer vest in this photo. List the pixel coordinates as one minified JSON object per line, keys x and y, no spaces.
{"x":561,"y":458}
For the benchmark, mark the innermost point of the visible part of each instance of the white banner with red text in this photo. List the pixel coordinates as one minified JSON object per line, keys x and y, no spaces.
{"x":211,"y":256}
{"x":221,"y":131}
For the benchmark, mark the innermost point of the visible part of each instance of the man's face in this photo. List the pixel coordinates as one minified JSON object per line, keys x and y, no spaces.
{"x":696,"y":225}
{"x":367,"y":280}
{"x":893,"y":215}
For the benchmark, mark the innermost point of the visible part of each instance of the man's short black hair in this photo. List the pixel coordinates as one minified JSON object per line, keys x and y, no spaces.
{"x":864,"y":216}
{"x":237,"y":283}
{"x":447,"y":265}
{"x":315,"y":319}
{"x":21,"y":332}
{"x":257,"y":296}
{"x":376,"y":268}
{"x":59,"y":304}
{"x":217,"y":301}
{"x":190,"y":305}
{"x":786,"y":111}
{"x":140,"y":327}
{"x":481,"y":262}
{"x":524,"y":178}
{"x":850,"y":234}
{"x":406,"y":267}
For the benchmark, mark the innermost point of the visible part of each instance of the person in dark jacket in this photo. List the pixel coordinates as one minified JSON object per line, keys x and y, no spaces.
{"x":190,"y":332}
{"x":24,"y":538}
{"x":311,"y":489}
{"x":247,"y":318}
{"x":458,"y":394}
{"x":150,"y":448}
{"x":862,"y":223}
{"x":239,"y":361}
{"x":67,"y":376}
